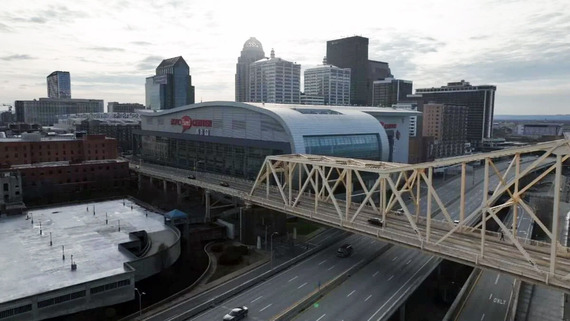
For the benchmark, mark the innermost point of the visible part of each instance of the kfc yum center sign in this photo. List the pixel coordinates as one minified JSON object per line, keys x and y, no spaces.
{"x":186,"y":122}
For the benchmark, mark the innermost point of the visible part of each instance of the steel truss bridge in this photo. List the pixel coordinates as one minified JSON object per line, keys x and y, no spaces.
{"x":346,"y":193}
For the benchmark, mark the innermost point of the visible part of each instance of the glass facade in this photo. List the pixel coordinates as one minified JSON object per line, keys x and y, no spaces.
{"x":363,"y":146}
{"x":227,"y":159}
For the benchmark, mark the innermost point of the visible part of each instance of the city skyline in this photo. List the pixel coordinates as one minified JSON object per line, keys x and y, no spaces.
{"x":526,"y":55}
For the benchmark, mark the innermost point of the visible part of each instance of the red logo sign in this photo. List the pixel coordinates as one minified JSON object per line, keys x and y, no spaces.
{"x":186,"y":122}
{"x":388,"y":126}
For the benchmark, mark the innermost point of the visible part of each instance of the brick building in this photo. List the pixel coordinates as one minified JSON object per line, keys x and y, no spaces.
{"x":62,"y":165}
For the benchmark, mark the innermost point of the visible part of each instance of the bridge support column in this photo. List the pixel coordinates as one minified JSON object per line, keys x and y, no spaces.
{"x":151,"y":181}
{"x":178,"y":189}
{"x":164,"y":186}
{"x":207,"y":217}
{"x":139,"y":181}
{"x":402,"y":311}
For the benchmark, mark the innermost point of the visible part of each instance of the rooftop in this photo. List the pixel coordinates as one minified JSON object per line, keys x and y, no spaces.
{"x":31,"y":266}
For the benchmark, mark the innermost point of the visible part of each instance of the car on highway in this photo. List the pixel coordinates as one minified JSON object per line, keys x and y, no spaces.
{"x":224,"y":184}
{"x":236,"y":314}
{"x":399,"y":211}
{"x":344,"y":251}
{"x":191,"y":176}
{"x":375,"y":221}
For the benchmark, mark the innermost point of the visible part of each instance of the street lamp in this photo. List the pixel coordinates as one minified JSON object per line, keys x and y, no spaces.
{"x":271,"y":246}
{"x":140,"y":300}
{"x":196,"y":163}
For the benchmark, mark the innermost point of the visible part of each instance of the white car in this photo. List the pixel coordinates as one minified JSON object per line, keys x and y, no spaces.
{"x":238,"y":313}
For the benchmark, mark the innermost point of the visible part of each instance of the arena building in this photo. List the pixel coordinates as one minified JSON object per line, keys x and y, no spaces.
{"x":233,"y":138}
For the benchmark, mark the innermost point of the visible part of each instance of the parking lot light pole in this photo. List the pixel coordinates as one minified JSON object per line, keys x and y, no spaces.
{"x":271,"y":239}
{"x":140,"y":300}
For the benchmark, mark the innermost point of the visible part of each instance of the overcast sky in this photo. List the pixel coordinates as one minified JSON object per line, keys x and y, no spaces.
{"x":110,"y":47}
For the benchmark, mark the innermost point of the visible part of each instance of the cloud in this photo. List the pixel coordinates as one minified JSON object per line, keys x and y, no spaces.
{"x":141,"y":43}
{"x":17,"y":57}
{"x":149,"y":63}
{"x":105,"y":49}
{"x":52,"y":13}
{"x":4,"y":28}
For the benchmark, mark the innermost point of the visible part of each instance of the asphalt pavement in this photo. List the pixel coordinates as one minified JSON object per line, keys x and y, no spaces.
{"x":283,"y":290}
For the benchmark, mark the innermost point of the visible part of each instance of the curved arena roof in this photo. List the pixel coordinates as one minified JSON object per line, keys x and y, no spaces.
{"x":304,"y":120}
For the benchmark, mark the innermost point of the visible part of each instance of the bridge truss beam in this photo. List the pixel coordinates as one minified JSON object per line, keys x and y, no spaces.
{"x":346,"y":193}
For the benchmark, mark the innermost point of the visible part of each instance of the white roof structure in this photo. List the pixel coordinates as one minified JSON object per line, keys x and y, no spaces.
{"x":308,"y":120}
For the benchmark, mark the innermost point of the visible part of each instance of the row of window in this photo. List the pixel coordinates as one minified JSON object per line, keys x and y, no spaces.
{"x":15,"y":311}
{"x":110,"y":286}
{"x":63,"y":298}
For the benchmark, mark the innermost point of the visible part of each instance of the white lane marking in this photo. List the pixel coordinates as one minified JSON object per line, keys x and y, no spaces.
{"x":394,"y":259}
{"x":293,"y":278}
{"x":490,"y":296}
{"x":270,"y":304}
{"x":375,"y":273}
{"x":331,"y":268}
{"x":351,"y":293}
{"x":483,"y":317}
{"x":302,"y":285}
{"x":400,"y":289}
{"x":257,"y":299}
{"x":408,"y":262}
{"x":391,"y":277}
{"x":368,"y":298}
{"x":497,"y":279}
{"x":322,"y":262}
{"x":322,"y":316}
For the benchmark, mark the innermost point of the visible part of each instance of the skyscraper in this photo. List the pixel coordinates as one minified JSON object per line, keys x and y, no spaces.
{"x":252,"y":51}
{"x":480,"y":102}
{"x":274,"y":80}
{"x":352,"y":52}
{"x":330,"y":82}
{"x":390,"y":91}
{"x":59,"y":84}
{"x":171,"y":86}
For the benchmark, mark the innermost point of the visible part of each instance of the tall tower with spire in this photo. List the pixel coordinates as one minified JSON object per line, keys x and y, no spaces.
{"x":252,"y":51}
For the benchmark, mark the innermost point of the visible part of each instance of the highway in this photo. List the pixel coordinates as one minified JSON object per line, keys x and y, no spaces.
{"x":492,"y":291}
{"x":411,"y":267}
{"x":284,"y":289}
{"x":376,"y":290}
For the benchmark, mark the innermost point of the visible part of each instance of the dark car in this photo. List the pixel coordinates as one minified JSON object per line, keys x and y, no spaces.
{"x":191,"y":176}
{"x":236,"y":314}
{"x":375,"y":221}
{"x":225,"y":184}
{"x":344,"y":251}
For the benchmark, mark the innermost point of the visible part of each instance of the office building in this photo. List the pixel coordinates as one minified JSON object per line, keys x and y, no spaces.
{"x":352,"y":52}
{"x":171,"y":86}
{"x":115,"y":107}
{"x":479,"y":100}
{"x":59,"y":85}
{"x":274,"y":80}
{"x":44,"y":111}
{"x":447,"y":125}
{"x":390,"y":91}
{"x":252,"y":51}
{"x":330,"y":82}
